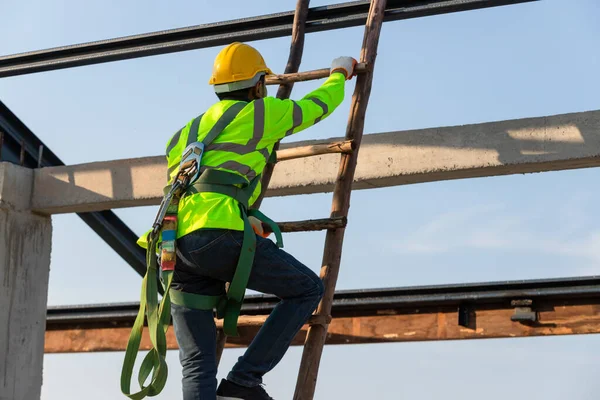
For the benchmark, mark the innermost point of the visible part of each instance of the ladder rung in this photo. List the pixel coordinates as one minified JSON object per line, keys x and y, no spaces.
{"x":310,"y":225}
{"x":346,"y":146}
{"x":307,"y":75}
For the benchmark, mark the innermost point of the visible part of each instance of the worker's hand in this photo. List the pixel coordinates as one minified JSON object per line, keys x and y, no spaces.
{"x":257,"y":227}
{"x":345,"y":65}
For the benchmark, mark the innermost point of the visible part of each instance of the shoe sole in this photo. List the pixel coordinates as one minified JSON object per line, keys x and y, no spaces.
{"x":228,"y":398}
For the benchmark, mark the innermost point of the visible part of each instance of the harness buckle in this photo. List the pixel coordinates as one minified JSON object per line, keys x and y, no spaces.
{"x":189,"y":171}
{"x":190,"y":161}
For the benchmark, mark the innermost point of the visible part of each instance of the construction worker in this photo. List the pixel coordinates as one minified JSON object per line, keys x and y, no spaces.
{"x":210,"y":231}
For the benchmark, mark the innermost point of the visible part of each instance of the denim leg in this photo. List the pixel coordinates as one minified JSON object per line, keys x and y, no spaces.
{"x":300,"y":290}
{"x":274,"y":272}
{"x":196,"y":336}
{"x":195,"y":330}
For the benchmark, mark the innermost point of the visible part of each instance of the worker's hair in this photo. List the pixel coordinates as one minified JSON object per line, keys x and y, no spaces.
{"x":242,"y":94}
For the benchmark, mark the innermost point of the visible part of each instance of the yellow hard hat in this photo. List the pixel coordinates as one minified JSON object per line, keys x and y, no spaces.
{"x":237,"y":66}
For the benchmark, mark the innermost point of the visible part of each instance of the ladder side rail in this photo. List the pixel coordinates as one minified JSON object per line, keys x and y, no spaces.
{"x":315,"y":339}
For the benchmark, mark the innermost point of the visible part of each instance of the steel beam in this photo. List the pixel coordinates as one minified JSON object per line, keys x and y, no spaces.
{"x":563,"y":318}
{"x":269,"y":26}
{"x":19,"y":140}
{"x":448,"y":312}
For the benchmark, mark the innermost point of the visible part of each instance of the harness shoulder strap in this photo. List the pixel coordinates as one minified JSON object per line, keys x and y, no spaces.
{"x":224,"y":120}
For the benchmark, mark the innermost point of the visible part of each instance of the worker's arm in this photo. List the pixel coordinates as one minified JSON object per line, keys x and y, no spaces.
{"x":286,"y":117}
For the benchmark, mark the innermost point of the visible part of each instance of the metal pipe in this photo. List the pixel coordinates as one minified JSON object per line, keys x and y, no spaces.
{"x":22,"y":155}
{"x":40,"y":152}
{"x":352,"y":301}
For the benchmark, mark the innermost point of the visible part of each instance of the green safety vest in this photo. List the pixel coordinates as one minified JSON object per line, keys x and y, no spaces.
{"x":239,"y":139}
{"x":244,"y":147}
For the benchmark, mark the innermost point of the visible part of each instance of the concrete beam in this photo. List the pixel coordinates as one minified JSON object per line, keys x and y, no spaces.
{"x":527,"y":145}
{"x":25,"y":242}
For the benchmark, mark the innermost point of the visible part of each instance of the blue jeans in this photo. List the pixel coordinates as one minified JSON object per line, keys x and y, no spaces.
{"x":206,"y":260}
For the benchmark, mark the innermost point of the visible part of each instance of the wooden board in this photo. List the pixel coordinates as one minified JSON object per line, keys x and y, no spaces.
{"x":389,"y":327}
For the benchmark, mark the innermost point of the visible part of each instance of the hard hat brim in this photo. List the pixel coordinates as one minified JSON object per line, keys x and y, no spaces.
{"x":239,"y":85}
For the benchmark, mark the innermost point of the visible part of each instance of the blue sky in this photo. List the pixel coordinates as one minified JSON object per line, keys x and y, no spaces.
{"x":518,"y":61}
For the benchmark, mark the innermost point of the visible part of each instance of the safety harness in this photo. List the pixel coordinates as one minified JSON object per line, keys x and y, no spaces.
{"x":191,"y":178}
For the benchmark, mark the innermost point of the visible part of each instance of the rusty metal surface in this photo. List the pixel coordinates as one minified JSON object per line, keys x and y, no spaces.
{"x":368,"y":301}
{"x":465,"y":311}
{"x":556,"y":317}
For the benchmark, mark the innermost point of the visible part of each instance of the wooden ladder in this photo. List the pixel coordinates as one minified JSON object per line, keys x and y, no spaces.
{"x":336,"y":223}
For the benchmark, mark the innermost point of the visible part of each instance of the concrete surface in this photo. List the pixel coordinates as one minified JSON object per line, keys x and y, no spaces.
{"x":25,"y":243}
{"x":557,"y":142}
{"x":16,"y":184}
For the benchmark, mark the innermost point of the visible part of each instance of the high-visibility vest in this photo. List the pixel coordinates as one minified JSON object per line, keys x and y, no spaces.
{"x":244,"y":147}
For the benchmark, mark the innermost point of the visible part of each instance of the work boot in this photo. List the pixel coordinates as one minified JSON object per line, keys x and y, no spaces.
{"x":230,"y":391}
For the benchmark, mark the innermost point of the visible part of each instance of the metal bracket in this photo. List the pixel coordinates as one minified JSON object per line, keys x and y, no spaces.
{"x":465,"y":315}
{"x":523,"y":311}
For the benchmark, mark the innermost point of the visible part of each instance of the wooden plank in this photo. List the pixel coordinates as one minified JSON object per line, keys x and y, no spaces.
{"x":332,"y":254}
{"x":566,"y":318}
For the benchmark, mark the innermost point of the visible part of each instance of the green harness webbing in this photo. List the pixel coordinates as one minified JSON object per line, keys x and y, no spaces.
{"x":227,"y":306}
{"x":223,"y":182}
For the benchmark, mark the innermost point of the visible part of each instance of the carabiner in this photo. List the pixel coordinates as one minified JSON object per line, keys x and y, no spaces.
{"x":190,"y":161}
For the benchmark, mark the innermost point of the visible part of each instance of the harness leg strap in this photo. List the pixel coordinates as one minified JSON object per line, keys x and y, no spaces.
{"x":237,"y":288}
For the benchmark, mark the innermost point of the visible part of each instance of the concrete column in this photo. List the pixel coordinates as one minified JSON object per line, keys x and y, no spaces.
{"x":25,"y":242}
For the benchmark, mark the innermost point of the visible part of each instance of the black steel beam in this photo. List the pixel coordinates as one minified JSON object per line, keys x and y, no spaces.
{"x":366,"y":302}
{"x":105,"y":223}
{"x":215,"y":34}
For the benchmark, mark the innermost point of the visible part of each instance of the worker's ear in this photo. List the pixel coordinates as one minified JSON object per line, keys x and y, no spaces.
{"x":260,"y":89}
